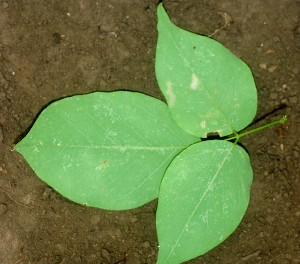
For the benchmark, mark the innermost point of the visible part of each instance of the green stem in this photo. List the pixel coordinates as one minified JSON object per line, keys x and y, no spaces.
{"x":238,"y":136}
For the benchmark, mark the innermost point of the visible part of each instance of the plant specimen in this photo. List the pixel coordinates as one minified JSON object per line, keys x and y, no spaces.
{"x":120,"y":150}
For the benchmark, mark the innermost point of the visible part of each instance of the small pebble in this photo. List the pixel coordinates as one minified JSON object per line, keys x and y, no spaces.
{"x":146,"y":244}
{"x":114,"y":233}
{"x":27,"y":199}
{"x":272,"y":68}
{"x":263,"y":66}
{"x":95,"y":219}
{"x":269,"y":51}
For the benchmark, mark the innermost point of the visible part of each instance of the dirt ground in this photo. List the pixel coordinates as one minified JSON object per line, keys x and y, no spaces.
{"x":52,"y":49}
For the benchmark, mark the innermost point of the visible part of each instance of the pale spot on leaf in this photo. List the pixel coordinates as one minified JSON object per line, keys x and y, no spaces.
{"x":195,"y":82}
{"x":171,"y":96}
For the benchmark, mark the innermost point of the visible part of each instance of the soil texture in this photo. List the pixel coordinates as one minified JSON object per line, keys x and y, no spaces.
{"x":53,"y":49}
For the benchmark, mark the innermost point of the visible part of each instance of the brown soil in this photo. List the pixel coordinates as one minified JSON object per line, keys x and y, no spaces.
{"x":52,"y":49}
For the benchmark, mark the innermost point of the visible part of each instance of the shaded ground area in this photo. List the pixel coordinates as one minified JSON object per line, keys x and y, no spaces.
{"x":52,"y":49}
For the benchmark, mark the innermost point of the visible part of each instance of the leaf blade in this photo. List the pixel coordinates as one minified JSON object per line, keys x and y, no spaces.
{"x":208,"y":89}
{"x":201,"y":204}
{"x":107,"y":150}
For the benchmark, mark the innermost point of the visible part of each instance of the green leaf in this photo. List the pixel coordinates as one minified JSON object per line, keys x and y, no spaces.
{"x":208,"y":89}
{"x":108,"y":150}
{"x":203,"y":197}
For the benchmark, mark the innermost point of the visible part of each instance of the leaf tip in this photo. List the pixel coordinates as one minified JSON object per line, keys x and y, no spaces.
{"x":161,"y":13}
